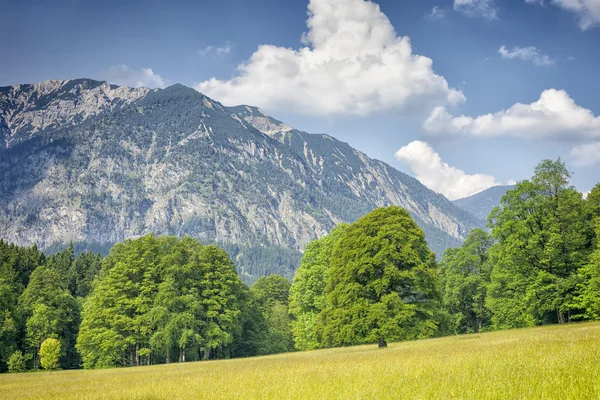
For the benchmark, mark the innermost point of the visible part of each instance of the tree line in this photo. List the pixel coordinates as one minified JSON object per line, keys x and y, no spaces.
{"x":164,"y":299}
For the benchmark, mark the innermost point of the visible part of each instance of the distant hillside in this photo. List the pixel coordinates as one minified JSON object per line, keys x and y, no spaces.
{"x":91,"y":163}
{"x":481,"y":204}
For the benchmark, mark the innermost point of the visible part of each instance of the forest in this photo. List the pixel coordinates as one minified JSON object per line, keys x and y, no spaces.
{"x":155,"y":300}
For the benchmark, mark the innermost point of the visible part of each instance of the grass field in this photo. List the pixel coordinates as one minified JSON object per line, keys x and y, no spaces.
{"x":555,"y":362}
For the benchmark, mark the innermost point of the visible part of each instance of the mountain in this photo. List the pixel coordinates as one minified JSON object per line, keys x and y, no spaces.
{"x":481,"y":204}
{"x":87,"y":162}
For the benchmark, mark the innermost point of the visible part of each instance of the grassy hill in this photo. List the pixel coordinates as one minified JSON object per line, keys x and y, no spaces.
{"x":539,"y":363}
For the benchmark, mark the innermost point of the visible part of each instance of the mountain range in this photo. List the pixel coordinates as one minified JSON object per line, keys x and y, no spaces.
{"x":92,"y":163}
{"x":481,"y":204}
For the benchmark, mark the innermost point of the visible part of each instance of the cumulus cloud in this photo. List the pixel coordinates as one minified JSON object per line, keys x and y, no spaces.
{"x":437,"y":175}
{"x":586,"y":154}
{"x":122,"y":75}
{"x":436,"y":13}
{"x":477,"y":8}
{"x":526,"y":54}
{"x":554,"y":116}
{"x":218,"y":50}
{"x":353,"y":63}
{"x":586,"y":11}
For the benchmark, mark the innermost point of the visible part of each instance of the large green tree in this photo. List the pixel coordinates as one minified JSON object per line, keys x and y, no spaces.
{"x":543,"y":237}
{"x":382,"y":283}
{"x":162,"y":299}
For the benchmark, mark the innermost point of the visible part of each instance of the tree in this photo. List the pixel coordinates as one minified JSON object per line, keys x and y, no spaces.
{"x":16,"y":362}
{"x":87,"y":266}
{"x":115,"y":318}
{"x":589,"y":299}
{"x":308,"y":296}
{"x":382,"y":283}
{"x":543,"y":238}
{"x":63,"y":263}
{"x":50,"y":353}
{"x":466,"y":275}
{"x":271,"y":288}
{"x":49,"y":310}
{"x":221,"y":289}
{"x":16,"y":266}
{"x":173,"y":297}
{"x":272,"y":292}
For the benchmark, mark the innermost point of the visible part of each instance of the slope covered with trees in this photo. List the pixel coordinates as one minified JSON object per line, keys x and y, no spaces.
{"x":86,"y":162}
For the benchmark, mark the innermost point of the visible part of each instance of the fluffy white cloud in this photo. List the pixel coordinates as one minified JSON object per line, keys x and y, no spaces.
{"x":218,"y":50}
{"x":526,"y":54}
{"x":122,"y":75}
{"x":437,"y":175}
{"x":587,"y":11}
{"x":436,"y":13}
{"x":555,"y":115}
{"x":477,"y":8}
{"x":586,"y":154}
{"x":354,"y":63}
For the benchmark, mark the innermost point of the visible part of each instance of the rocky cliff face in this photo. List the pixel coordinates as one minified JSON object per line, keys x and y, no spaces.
{"x":93,"y":163}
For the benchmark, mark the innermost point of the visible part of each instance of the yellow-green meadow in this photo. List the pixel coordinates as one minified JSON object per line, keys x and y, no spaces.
{"x":552,"y":362}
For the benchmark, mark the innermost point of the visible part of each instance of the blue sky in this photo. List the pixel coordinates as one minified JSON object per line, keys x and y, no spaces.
{"x":391,"y":77}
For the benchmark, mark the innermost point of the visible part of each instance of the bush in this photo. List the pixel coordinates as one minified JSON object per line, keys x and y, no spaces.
{"x":16,"y":362}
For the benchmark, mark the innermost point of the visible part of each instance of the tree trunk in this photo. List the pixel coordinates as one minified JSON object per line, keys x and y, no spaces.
{"x":382,"y":342}
{"x":167,"y":356}
{"x":206,"y":354}
{"x":137,"y":355}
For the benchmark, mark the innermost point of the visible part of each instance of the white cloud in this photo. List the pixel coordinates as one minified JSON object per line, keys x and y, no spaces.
{"x":122,"y":75}
{"x":554,"y":116}
{"x":436,"y":13}
{"x":218,"y":50}
{"x":586,"y":154}
{"x":587,"y":11}
{"x":477,"y":8}
{"x":354,"y":63}
{"x":526,"y":54}
{"x":437,"y":175}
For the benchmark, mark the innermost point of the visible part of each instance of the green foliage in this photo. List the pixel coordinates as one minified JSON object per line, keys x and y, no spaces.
{"x":382,"y":283}
{"x":49,"y":310}
{"x":50,"y":353}
{"x":466,"y":275}
{"x":16,"y":266}
{"x":308,"y":292}
{"x":172,"y":296}
{"x":271,"y":288}
{"x":17,"y":362}
{"x":590,"y":281}
{"x":272,"y":292}
{"x":543,"y":238}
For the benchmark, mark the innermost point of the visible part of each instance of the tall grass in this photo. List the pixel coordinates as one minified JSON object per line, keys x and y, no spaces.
{"x":554,"y":362}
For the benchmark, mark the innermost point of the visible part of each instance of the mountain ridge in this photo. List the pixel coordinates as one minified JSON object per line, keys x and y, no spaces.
{"x":90,"y":162}
{"x":481,"y":204}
